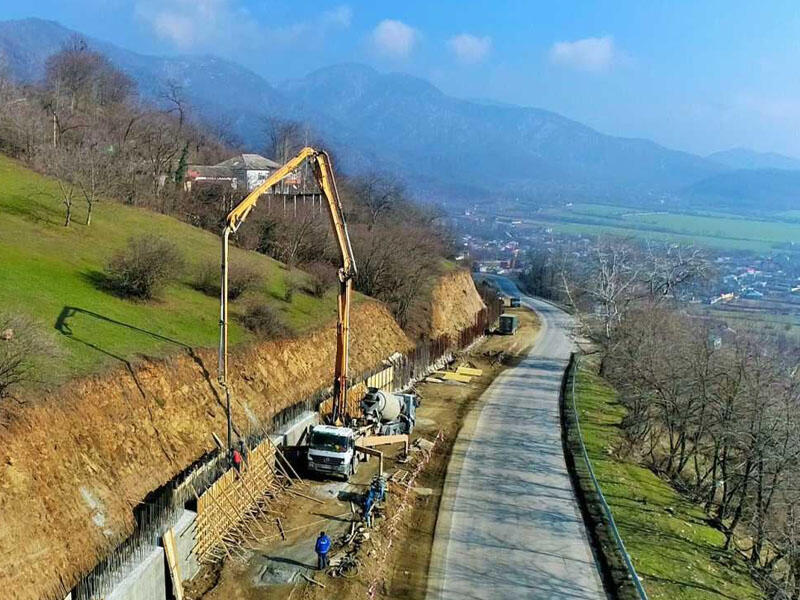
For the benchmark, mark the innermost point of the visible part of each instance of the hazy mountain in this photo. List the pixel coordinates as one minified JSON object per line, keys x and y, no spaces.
{"x":221,"y":91}
{"x":442,"y":147}
{"x":744,"y":158}
{"x":749,"y":190}
{"x":514,"y":150}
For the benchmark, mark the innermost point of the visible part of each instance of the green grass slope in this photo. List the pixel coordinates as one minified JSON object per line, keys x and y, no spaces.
{"x":676,"y":553}
{"x":49,"y":272}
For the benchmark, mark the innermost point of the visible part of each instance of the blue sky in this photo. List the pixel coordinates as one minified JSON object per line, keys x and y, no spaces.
{"x":698,"y":75}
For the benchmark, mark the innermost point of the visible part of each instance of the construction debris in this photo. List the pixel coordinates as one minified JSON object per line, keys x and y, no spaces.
{"x":422,"y":444}
{"x":312,"y":580}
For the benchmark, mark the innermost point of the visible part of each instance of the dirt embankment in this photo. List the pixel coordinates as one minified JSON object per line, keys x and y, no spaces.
{"x":74,"y":464}
{"x":454,"y":303}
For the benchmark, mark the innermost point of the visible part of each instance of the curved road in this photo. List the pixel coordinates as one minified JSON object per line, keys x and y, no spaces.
{"x":509,"y":525}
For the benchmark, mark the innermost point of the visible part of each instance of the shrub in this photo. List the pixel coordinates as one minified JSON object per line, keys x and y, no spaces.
{"x":289,"y":290}
{"x":144,"y":267}
{"x":264,"y":321}
{"x":241,"y":278}
{"x":321,"y":278}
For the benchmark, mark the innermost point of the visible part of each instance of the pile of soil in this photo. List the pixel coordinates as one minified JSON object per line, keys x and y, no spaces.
{"x":454,"y":304}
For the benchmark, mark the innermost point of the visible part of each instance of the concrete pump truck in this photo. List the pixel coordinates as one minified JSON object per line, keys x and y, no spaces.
{"x":333,"y":448}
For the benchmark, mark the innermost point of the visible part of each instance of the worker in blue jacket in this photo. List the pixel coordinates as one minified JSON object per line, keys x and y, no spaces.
{"x":322,"y":547}
{"x":369,"y":501}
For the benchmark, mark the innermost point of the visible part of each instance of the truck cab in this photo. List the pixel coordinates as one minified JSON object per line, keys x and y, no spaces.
{"x":331,"y":450}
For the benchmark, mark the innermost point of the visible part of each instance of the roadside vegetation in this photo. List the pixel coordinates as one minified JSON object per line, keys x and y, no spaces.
{"x":709,"y":410}
{"x":678,"y":555}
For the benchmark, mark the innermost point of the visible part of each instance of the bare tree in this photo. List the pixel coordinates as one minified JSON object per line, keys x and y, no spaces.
{"x":63,"y":164}
{"x":93,"y":173}
{"x":284,"y":138}
{"x":174,"y":96}
{"x":23,"y":345}
{"x":377,"y":193}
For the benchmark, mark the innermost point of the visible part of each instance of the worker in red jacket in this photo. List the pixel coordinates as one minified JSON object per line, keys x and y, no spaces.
{"x":237,"y":460}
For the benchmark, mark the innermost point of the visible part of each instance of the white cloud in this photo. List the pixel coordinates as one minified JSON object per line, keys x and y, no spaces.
{"x":394,"y":38}
{"x":595,"y":54}
{"x":341,"y":16}
{"x":227,"y":26}
{"x":470,"y":48}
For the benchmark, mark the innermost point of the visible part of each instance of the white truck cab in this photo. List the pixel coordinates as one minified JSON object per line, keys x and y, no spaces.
{"x":331,"y":450}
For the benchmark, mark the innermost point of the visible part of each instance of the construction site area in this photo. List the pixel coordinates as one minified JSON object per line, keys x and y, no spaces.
{"x":161,"y":480}
{"x":388,"y":558}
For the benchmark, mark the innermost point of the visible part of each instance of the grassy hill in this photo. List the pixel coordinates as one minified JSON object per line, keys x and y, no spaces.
{"x":50,"y":273}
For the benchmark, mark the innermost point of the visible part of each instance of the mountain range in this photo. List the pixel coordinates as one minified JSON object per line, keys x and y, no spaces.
{"x":447,"y":149}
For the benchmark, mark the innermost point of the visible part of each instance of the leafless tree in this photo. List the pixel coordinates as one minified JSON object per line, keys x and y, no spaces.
{"x":377,"y":193}
{"x":93,"y":173}
{"x":23,"y":345}
{"x":174,"y":96}
{"x":284,"y":138}
{"x":63,"y":164}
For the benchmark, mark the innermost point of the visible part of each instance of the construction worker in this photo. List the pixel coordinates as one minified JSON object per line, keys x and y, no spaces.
{"x":322,"y":547}
{"x":237,"y":460}
{"x":369,"y":502}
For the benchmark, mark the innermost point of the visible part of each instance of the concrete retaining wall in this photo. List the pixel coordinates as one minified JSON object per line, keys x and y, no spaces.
{"x":292,"y":434}
{"x":185,"y":540}
{"x":147,"y":580}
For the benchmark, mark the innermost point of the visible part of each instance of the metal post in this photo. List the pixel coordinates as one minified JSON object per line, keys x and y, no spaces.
{"x":222,"y":374}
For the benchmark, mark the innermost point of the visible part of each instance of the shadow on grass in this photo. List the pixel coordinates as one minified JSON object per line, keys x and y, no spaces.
{"x":30,"y":208}
{"x":62,"y":325}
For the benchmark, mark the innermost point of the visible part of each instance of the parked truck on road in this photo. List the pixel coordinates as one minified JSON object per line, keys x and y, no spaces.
{"x":508,"y":324}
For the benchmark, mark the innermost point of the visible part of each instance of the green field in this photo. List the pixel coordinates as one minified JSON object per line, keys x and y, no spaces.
{"x":50,"y":273}
{"x":719,"y":230}
{"x":675,"y":552}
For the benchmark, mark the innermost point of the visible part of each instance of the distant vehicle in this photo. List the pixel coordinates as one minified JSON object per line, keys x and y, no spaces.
{"x":514,"y":302}
{"x":508,"y":324}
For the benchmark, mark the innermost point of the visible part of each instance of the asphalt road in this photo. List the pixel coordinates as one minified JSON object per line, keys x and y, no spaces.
{"x":509,"y":525}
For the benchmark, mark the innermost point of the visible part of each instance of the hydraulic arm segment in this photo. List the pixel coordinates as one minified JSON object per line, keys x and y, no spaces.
{"x":323,"y":172}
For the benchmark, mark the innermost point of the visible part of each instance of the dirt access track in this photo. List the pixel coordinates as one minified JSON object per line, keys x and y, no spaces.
{"x":393,"y":559}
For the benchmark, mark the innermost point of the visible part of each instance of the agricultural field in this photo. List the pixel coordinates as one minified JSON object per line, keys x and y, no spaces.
{"x":718,"y":230}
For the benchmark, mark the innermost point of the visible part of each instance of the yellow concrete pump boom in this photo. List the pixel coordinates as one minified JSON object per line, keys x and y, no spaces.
{"x":323,"y":172}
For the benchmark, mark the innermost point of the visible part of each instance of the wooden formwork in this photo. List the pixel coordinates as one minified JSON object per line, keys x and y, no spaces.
{"x":228,"y":513}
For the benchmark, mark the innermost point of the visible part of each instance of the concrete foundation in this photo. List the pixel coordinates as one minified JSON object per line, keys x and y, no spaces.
{"x":146,"y":581}
{"x":149,"y":579}
{"x":185,"y":540}
{"x":292,"y":434}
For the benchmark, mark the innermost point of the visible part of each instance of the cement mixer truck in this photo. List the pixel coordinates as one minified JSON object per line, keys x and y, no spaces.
{"x":389,"y":414}
{"x":386,"y":418}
